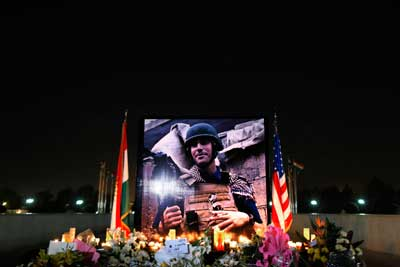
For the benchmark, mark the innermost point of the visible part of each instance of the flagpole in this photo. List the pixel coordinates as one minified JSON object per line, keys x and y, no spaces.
{"x":120,"y":210}
{"x":274,"y":124}
{"x":281,"y":207}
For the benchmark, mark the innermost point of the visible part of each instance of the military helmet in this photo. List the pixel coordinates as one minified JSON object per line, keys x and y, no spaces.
{"x":203,"y":130}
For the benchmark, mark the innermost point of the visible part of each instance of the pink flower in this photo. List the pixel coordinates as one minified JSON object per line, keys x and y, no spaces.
{"x":83,"y":247}
{"x":275,"y":248}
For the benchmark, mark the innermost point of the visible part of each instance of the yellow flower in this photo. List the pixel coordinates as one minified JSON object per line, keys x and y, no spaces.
{"x":316,"y":257}
{"x":316,"y":251}
{"x":324,"y":259}
{"x":310,"y":251}
{"x":325,"y":250}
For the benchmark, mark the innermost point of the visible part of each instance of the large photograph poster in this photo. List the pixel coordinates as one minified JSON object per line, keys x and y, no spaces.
{"x":200,"y":173}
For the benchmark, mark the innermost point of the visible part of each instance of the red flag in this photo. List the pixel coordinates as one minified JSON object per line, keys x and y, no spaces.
{"x":120,"y":210}
{"x":281,"y":213}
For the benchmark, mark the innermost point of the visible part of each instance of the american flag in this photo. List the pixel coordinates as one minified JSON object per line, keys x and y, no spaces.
{"x":281,"y":213}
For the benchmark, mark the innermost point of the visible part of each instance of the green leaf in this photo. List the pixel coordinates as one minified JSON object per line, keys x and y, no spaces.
{"x":356,"y":244}
{"x":313,"y":225}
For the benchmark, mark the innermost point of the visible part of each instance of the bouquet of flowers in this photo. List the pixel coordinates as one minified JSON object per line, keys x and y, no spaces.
{"x":84,"y":255}
{"x":331,"y":247}
{"x":275,"y":249}
{"x":135,"y":251}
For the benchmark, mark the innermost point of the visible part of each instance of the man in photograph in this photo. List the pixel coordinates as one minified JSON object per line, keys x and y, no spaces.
{"x":217,"y":198}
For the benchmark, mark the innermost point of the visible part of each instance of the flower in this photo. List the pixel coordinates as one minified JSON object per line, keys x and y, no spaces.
{"x":275,"y":248}
{"x":330,"y":240}
{"x":136,"y":250}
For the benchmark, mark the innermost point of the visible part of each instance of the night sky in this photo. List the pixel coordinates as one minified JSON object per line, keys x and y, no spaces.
{"x":53,"y":140}
{"x":68,"y":81}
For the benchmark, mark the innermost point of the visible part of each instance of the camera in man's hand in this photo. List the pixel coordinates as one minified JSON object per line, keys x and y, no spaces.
{"x":212,"y":198}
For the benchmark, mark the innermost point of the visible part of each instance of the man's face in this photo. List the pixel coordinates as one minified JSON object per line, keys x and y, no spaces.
{"x":201,"y":150}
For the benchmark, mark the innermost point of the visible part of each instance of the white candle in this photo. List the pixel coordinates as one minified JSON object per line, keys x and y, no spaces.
{"x":306,"y":233}
{"x":172,"y":234}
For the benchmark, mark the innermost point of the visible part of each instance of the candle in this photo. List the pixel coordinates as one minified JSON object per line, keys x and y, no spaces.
{"x":298,"y":245}
{"x":219,"y":237}
{"x":106,"y":245}
{"x":109,"y":235}
{"x":291,"y":244}
{"x":243,"y":239}
{"x":72,"y":231}
{"x":306,"y":233}
{"x":172,"y":234}
{"x":233,"y":244}
{"x":65,"y":237}
{"x":312,"y":237}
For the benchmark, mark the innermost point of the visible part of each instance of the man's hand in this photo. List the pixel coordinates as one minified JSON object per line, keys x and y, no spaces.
{"x":172,"y":217}
{"x":228,"y":220}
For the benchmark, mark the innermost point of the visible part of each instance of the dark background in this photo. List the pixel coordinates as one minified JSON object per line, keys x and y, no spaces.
{"x":341,"y":135}
{"x":70,"y":72}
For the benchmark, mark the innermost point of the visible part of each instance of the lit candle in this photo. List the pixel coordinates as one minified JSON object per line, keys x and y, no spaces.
{"x":306,"y":233}
{"x":219,"y":237}
{"x":65,"y":237}
{"x":291,"y":244}
{"x":233,"y":244}
{"x":72,"y":231}
{"x":298,"y":245}
{"x":243,"y":239}
{"x":172,"y":234}
{"x":312,"y":237}
{"x":106,"y":245}
{"x":109,"y":235}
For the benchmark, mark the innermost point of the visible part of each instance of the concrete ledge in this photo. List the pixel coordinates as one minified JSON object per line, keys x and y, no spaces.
{"x":22,"y":235}
{"x":381,"y":233}
{"x":22,"y":231}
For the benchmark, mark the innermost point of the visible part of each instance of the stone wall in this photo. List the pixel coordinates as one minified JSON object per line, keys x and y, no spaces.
{"x":251,"y":163}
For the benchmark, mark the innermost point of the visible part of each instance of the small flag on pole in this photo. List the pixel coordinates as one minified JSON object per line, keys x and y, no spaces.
{"x":120,"y":210}
{"x":281,"y":212}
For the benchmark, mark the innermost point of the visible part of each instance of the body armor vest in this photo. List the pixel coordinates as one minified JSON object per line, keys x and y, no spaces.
{"x":197,"y":206}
